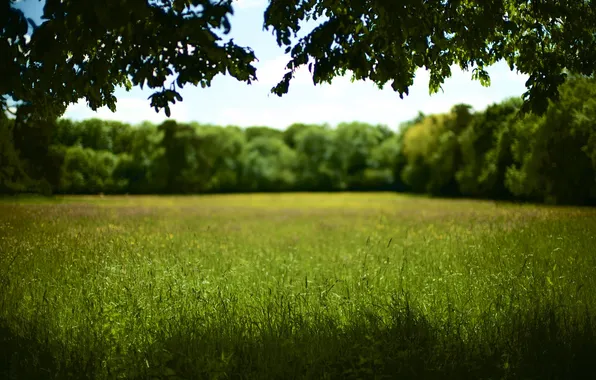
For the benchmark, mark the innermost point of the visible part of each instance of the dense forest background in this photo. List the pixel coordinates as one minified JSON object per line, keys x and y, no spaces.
{"x":496,"y":153}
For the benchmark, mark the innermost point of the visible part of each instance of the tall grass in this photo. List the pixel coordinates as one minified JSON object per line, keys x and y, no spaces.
{"x":295,"y":286}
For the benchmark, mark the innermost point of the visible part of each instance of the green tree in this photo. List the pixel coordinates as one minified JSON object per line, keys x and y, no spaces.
{"x":95,"y":134}
{"x":432,"y":151}
{"x":386,"y":41}
{"x":88,"y":171}
{"x":13,"y":178}
{"x":355,"y":143}
{"x":255,"y":132}
{"x":319,"y":162}
{"x":93,"y":47}
{"x":32,"y":136}
{"x":143,"y":168}
{"x":120,"y":135}
{"x":585,"y":120}
{"x":219,"y":157}
{"x":386,"y":163}
{"x":67,"y":133}
{"x":291,"y":133}
{"x":268,"y":165}
{"x":181,"y":149}
{"x":486,"y":151}
{"x":553,"y":153}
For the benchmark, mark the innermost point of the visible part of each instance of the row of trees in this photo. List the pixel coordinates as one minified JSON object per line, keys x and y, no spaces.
{"x":496,"y":153}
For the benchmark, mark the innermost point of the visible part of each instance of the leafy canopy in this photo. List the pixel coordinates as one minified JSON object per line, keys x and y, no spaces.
{"x":385,"y":41}
{"x":86,"y":49}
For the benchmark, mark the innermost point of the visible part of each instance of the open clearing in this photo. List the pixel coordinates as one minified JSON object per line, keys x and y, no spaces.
{"x":295,"y":286}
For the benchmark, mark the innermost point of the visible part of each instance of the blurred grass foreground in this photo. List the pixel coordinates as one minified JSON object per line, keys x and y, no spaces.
{"x":293,"y":286}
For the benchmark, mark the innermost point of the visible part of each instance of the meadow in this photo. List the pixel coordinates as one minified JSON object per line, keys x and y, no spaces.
{"x":288,"y":286}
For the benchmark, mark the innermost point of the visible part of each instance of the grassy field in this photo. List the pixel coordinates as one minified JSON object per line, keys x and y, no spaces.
{"x":295,"y":286}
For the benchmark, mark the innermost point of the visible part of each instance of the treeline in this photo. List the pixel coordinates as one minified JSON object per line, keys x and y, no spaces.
{"x":495,"y":153}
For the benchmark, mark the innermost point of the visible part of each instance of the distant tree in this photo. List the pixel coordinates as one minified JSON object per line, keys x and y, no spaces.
{"x":144,"y":167}
{"x":585,"y":121}
{"x":268,"y":165}
{"x":291,"y":133}
{"x":88,"y":171}
{"x":554,"y":153}
{"x":255,"y":132}
{"x":432,"y":151}
{"x":95,"y":134}
{"x":181,"y":147}
{"x":13,"y":178}
{"x":32,"y":136}
{"x":386,"y":163}
{"x":416,"y":147}
{"x":220,"y":157}
{"x":486,"y":151}
{"x":319,"y":161}
{"x":408,"y":123}
{"x":355,"y":143}
{"x":66,"y":133}
{"x":121,"y":136}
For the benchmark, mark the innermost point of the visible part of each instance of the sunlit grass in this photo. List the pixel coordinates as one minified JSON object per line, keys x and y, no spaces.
{"x":295,"y":285}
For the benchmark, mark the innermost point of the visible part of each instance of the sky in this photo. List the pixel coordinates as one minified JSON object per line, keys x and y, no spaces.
{"x":229,"y":102}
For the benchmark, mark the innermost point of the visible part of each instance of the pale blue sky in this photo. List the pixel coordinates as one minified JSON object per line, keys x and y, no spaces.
{"x":229,"y":102}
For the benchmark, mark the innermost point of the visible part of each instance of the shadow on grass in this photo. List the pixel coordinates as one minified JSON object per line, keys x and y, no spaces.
{"x":26,"y":356}
{"x":537,"y":345}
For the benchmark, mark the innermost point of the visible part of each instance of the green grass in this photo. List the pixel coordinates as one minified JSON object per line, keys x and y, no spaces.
{"x":295,"y":286}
